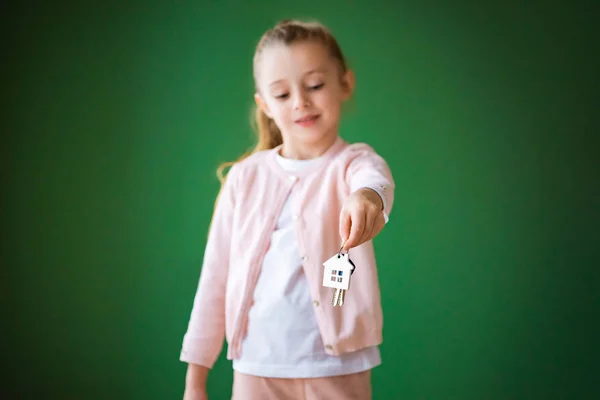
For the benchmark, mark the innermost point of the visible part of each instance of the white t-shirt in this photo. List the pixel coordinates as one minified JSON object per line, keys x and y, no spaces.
{"x":283,"y":339}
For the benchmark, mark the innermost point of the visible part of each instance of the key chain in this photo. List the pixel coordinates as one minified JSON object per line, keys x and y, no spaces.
{"x":336,"y":275}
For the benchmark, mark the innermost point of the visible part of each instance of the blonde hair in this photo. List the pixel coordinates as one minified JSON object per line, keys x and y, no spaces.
{"x":284,"y":32}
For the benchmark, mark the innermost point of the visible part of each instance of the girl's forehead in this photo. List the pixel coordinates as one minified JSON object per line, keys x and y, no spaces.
{"x":281,"y":62}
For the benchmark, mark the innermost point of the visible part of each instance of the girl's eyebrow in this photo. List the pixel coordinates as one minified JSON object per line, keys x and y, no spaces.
{"x":275,"y":82}
{"x":312,"y":71}
{"x":320,"y":69}
{"x":315,"y":71}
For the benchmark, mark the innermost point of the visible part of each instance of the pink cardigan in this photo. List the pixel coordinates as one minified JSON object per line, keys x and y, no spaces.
{"x":245,"y":215}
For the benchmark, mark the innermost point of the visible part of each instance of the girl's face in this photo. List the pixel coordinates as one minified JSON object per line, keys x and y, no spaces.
{"x":302,"y":90}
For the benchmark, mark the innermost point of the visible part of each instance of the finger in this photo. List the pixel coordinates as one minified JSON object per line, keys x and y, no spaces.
{"x":369,"y":221}
{"x":345,"y":222}
{"x":357,"y":225}
{"x":378,"y":225}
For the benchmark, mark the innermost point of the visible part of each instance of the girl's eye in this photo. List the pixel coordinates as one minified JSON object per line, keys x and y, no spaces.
{"x":317,"y":87}
{"x":281,"y":96}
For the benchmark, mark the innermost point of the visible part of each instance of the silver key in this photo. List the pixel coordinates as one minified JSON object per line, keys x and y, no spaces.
{"x":340,"y":294}
{"x":338,"y":297}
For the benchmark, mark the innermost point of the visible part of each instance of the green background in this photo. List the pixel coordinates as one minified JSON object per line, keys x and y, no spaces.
{"x":118,"y":113}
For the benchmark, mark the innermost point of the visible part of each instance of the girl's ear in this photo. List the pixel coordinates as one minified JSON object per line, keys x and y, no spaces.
{"x":262,"y":105}
{"x":348,"y":84}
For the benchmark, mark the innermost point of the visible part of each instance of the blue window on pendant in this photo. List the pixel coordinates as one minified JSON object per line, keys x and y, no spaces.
{"x":340,"y":273}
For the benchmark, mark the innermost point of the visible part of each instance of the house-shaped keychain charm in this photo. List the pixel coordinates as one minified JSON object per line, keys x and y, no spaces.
{"x":337,"y":272}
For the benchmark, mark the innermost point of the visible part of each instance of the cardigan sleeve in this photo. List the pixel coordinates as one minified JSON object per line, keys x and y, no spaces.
{"x":367,"y":169}
{"x":205,"y":335}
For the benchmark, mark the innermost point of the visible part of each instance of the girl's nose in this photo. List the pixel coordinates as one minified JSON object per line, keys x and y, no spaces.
{"x":301,"y":102}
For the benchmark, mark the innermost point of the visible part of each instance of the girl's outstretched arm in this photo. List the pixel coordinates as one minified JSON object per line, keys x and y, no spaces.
{"x":366,"y":211}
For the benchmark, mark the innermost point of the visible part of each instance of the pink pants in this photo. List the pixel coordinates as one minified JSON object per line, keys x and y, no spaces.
{"x":344,"y":387}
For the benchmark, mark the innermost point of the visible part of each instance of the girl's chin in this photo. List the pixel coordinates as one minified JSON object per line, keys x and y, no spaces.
{"x":313,"y":135}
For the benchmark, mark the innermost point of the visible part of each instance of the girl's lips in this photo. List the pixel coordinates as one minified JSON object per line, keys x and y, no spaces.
{"x":308,"y":120}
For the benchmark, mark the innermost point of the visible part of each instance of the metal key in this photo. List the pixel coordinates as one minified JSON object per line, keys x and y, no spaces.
{"x":340,"y":294}
{"x":338,"y":297}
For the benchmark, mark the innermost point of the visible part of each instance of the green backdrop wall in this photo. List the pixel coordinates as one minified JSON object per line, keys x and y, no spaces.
{"x":117,"y":114}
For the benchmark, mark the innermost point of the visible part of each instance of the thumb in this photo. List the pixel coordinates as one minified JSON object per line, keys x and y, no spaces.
{"x":345,"y":225}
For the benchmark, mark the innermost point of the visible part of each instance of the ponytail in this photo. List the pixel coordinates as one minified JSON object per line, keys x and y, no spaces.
{"x":268,"y":135}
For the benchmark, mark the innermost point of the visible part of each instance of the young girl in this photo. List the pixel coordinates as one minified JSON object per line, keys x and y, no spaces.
{"x":282,"y":211}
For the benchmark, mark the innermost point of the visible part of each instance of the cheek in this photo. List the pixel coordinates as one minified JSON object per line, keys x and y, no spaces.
{"x":327,"y":100}
{"x":330,"y":104}
{"x":279,"y":112}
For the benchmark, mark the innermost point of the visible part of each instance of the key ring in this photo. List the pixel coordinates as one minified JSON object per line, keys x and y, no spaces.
{"x":340,"y":250}
{"x":348,"y":254}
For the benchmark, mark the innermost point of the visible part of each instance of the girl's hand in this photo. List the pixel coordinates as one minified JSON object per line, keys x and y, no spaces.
{"x":361,"y":218}
{"x":195,"y":394}
{"x":195,"y":383}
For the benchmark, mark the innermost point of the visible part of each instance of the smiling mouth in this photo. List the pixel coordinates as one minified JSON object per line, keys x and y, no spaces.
{"x":307,"y":119}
